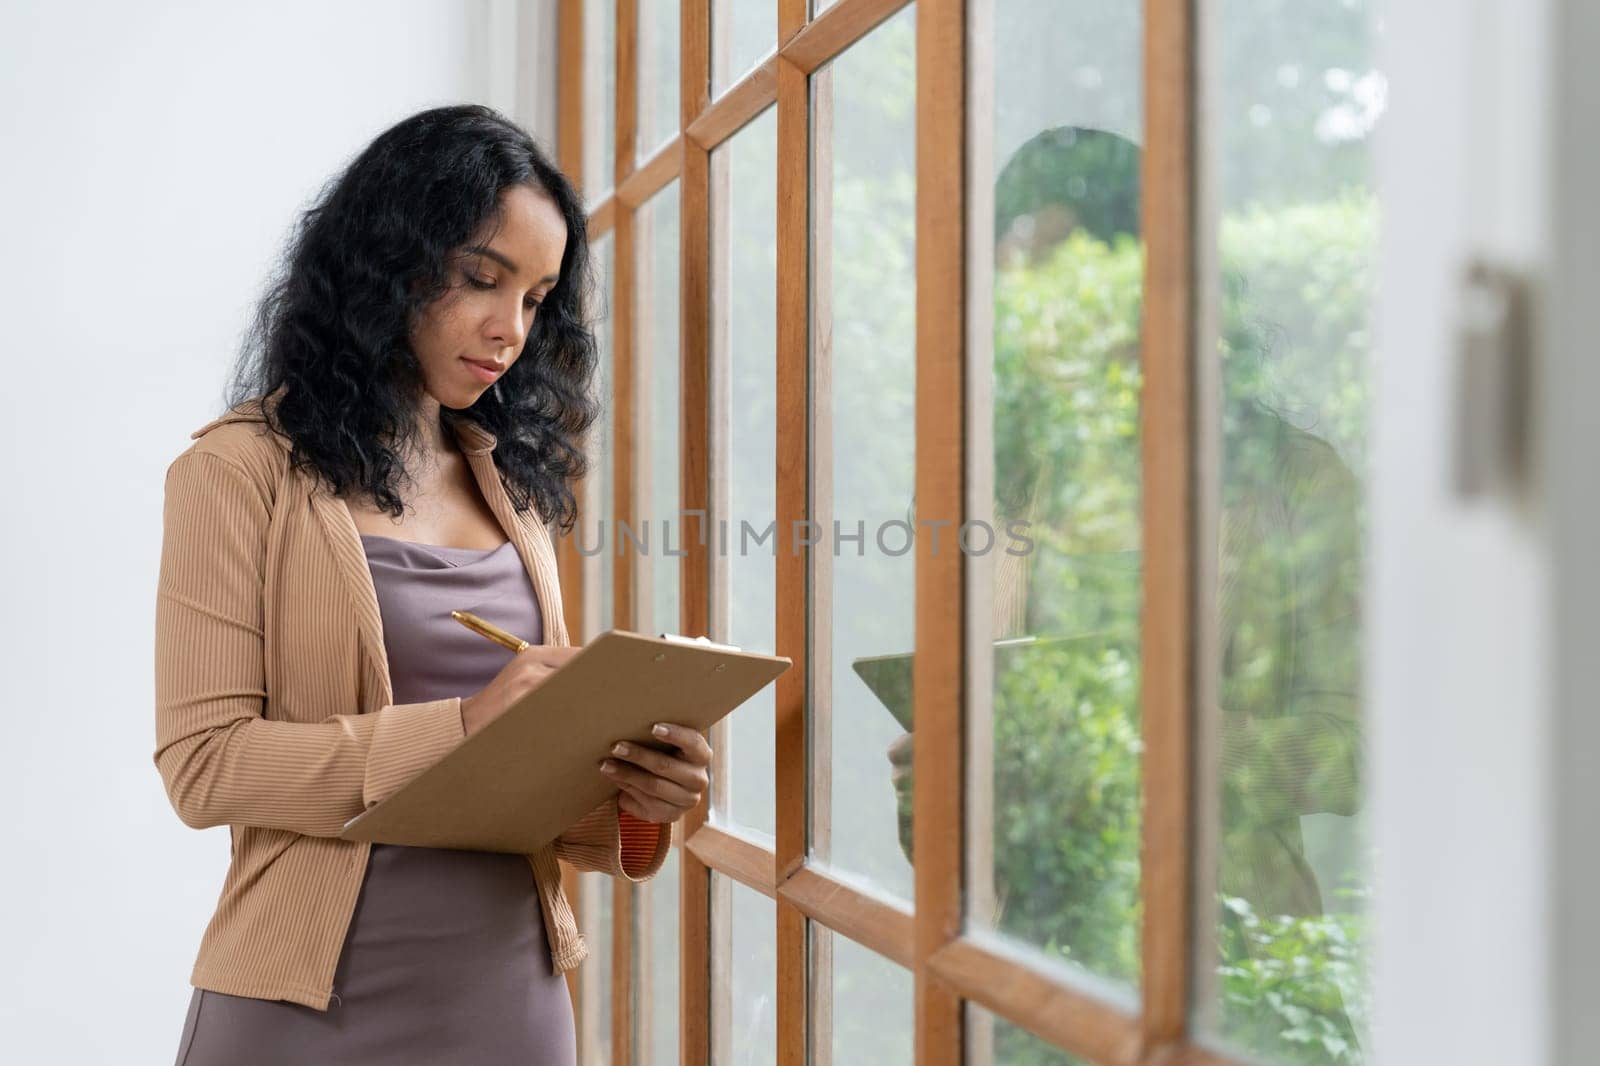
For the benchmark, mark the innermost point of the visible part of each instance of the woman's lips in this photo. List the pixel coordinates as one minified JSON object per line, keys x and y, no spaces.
{"x":482,"y":371}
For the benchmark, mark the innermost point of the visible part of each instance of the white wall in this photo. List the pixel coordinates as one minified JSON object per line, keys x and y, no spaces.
{"x":154,"y":156}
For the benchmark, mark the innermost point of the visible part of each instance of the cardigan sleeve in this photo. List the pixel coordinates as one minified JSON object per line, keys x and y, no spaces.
{"x":609,"y":840}
{"x":1306,"y":758}
{"x":221,"y":760}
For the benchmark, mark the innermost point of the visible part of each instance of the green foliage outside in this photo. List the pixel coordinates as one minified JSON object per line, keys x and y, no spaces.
{"x":1295,"y":988}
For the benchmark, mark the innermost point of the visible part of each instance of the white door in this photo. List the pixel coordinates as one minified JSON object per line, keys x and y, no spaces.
{"x":1479,"y":653}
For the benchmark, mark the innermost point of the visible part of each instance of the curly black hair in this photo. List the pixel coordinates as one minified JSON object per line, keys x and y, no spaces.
{"x":332,"y":329}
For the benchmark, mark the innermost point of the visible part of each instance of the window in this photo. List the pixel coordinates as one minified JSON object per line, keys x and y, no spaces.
{"x":1019,"y":400}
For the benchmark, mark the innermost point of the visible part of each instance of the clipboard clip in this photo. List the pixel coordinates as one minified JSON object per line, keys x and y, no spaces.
{"x":702,"y":642}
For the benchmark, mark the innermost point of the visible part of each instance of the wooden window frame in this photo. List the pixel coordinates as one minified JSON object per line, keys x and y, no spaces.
{"x":948,"y":964}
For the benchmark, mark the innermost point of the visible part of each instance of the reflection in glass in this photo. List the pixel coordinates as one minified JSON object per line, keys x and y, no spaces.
{"x":599,"y":98}
{"x":865,"y":211}
{"x":656,"y":368}
{"x":992,"y":1039}
{"x":658,"y":74}
{"x":1054,"y":821}
{"x":873,"y":1019}
{"x":743,"y":32}
{"x":745,"y":237}
{"x":1297,"y":98}
{"x":594,"y":998}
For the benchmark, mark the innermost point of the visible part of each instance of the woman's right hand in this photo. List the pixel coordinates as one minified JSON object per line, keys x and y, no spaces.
{"x":900,"y":777}
{"x":525,"y":672}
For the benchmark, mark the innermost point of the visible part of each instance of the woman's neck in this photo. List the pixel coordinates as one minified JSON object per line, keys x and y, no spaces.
{"x":432,"y":443}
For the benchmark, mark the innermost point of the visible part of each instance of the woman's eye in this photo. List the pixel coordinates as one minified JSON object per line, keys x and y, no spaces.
{"x":531,"y":303}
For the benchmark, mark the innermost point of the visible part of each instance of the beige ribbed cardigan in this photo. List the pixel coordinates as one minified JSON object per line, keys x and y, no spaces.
{"x":274,"y":713}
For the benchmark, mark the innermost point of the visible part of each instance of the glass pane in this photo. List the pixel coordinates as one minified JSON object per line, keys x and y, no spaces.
{"x":1298,"y":99}
{"x":594,"y":976}
{"x":660,"y":534}
{"x":866,"y":156}
{"x":1055,"y":810}
{"x":599,"y":98}
{"x":992,"y":1039}
{"x":599,"y":536}
{"x":658,"y":74}
{"x":873,"y":1001}
{"x":745,"y":241}
{"x":745,"y":996}
{"x":743,"y":33}
{"x":656,"y":354}
{"x":656,"y":961}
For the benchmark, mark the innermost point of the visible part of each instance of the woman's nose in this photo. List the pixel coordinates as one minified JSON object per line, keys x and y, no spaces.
{"x":509,"y":327}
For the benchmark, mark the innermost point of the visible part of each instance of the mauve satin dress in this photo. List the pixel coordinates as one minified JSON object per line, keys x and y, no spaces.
{"x":446,"y":958}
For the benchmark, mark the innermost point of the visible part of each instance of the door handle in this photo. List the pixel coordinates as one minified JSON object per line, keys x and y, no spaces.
{"x":1492,"y":386}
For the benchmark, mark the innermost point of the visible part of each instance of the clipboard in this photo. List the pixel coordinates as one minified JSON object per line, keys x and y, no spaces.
{"x":520,"y":781}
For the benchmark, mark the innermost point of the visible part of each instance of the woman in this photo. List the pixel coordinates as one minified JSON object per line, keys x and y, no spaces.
{"x":416,"y":391}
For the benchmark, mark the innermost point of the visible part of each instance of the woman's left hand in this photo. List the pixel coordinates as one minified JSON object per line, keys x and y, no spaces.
{"x":661,"y":786}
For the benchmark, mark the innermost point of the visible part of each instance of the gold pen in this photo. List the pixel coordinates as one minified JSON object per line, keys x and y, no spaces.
{"x":490,"y":630}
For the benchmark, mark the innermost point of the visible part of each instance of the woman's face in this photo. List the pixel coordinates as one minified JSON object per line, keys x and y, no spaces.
{"x":468,"y":338}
